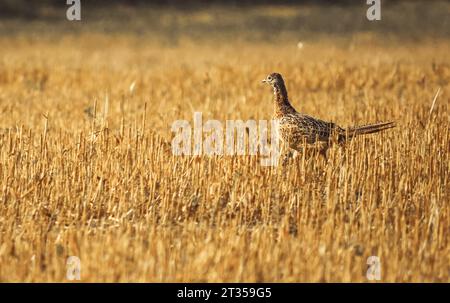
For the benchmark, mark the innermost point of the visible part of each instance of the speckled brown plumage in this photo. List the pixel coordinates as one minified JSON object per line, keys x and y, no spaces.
{"x":295,"y":128}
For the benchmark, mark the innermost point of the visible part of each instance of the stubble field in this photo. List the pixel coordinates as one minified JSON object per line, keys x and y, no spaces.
{"x":86,"y":167}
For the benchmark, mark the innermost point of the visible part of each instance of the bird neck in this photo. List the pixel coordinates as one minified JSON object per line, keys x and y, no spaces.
{"x":282,"y":104}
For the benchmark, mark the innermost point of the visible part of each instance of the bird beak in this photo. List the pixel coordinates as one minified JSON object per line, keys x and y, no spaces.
{"x":264,"y":81}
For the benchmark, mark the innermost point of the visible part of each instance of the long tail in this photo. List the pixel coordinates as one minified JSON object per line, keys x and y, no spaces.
{"x":354,"y":131}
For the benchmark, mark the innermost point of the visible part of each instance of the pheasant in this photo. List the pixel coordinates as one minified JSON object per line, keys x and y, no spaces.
{"x":295,"y":128}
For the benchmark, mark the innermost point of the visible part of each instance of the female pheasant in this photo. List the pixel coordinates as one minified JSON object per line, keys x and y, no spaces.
{"x":295,"y":128}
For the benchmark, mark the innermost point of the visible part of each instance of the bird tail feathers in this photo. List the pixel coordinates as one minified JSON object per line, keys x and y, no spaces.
{"x":367,"y":129}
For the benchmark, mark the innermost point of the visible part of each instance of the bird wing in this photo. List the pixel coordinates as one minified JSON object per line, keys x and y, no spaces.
{"x":296,"y":127}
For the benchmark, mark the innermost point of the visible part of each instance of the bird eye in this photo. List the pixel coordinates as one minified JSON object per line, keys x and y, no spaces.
{"x":269,"y":78}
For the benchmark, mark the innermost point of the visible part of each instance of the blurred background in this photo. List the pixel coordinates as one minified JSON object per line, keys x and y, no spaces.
{"x":263,"y":20}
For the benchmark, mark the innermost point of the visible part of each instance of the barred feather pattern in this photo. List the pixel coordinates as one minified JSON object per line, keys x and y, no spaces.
{"x":296,"y":128}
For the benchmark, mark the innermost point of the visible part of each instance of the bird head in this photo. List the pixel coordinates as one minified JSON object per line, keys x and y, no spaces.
{"x":274,"y":79}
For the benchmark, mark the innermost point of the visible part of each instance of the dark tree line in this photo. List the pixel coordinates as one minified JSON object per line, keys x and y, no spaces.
{"x":27,"y":8}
